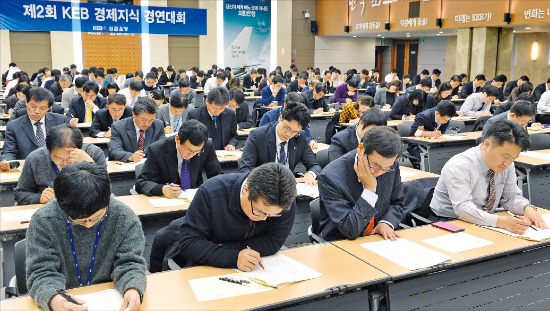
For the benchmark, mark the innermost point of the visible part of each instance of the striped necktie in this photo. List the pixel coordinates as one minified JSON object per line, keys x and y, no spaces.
{"x":489,"y":207}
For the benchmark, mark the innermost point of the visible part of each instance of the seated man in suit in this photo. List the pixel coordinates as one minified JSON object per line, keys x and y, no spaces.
{"x":540,"y":89}
{"x":478,"y":181}
{"x":59,"y":87}
{"x":186,"y":154}
{"x":63,"y":147}
{"x":220,"y":120}
{"x":434,"y":79}
{"x":479,"y":104}
{"x":249,"y":80}
{"x":185,"y":89}
{"x":521,"y":112}
{"x":314,"y":99}
{"x":150,"y":83}
{"x":283,"y":142}
{"x":76,"y":221}
{"x":29,"y":132}
{"x":115,"y":110}
{"x":274,"y":92}
{"x":84,"y":107}
{"x":361,"y":191}
{"x":498,"y":82}
{"x":473,"y":86}
{"x":174,"y":114}
{"x":236,"y":219}
{"x":133,"y":93}
{"x":432,"y":123}
{"x":131,"y":137}
{"x":237,"y":104}
{"x":298,"y":85}
{"x":348,"y":139}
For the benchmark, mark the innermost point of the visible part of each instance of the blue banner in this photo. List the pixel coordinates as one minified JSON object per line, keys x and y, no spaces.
{"x":36,"y":15}
{"x":247,"y":34}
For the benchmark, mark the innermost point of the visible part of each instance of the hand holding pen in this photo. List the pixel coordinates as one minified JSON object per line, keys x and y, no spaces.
{"x":65,"y":301}
{"x":248,"y":259}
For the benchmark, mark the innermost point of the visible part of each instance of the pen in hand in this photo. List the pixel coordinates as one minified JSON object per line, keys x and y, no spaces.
{"x":259,"y":262}
{"x":515,"y":216}
{"x":68,"y":297}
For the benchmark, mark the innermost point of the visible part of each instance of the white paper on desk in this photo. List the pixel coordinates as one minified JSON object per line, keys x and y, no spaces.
{"x":529,"y":234}
{"x":407,"y":254}
{"x":453,"y":137}
{"x":129,"y":166}
{"x":225,"y":153}
{"x":280,"y":270}
{"x":23,"y":215}
{"x":406,"y":174}
{"x":165,"y":202}
{"x":308,"y":191}
{"x":457,"y":242}
{"x":188,"y":195}
{"x":107,"y":300}
{"x":538,"y":155}
{"x":211,"y":288}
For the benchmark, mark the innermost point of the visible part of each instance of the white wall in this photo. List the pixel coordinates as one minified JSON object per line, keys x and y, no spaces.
{"x":431,"y":55}
{"x":5,"y":50}
{"x":344,"y":53}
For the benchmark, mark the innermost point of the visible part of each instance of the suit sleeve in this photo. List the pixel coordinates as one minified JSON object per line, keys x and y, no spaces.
{"x":350,"y":219}
{"x":212,"y":166}
{"x":310,"y":160}
{"x":95,"y":128}
{"x":72,"y":111}
{"x":148,"y":181}
{"x":11,"y":150}
{"x":27,"y":191}
{"x":116,"y":147}
{"x":418,"y":121}
{"x":267,"y":96}
{"x":250,"y":154}
{"x":395,"y":209}
{"x":335,"y":150}
{"x":378,"y":100}
{"x":397,"y":110}
{"x":233,"y":134}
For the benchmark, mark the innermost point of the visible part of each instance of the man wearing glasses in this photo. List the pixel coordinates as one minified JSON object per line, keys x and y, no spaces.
{"x":236,"y":219}
{"x":361,"y":191}
{"x":81,"y":240}
{"x":176,"y":163}
{"x":83,"y":108}
{"x":283,"y":142}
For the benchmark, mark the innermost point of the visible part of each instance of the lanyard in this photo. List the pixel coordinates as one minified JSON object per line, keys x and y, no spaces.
{"x":77,"y":267}
{"x":55,"y":168}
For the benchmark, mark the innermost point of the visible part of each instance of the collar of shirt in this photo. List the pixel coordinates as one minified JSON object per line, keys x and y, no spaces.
{"x":180,"y":162}
{"x":482,"y":166}
{"x":358,"y":138}
{"x":41,"y":120}
{"x":137,"y":130}
{"x":437,"y":123}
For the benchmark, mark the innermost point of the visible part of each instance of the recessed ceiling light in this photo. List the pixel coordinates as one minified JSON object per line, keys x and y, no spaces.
{"x":379,"y":35}
{"x":382,"y":37}
{"x":514,"y":31}
{"x":441,"y":32}
{"x":408,"y":33}
{"x":355,"y":36}
{"x":527,"y":28}
{"x":437,"y":34}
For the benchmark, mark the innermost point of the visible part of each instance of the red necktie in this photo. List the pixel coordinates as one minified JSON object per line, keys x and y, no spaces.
{"x":369,"y":228}
{"x":141,"y":141}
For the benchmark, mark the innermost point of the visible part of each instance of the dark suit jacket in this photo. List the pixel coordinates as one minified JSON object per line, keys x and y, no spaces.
{"x":293,"y":87}
{"x":313,"y":104}
{"x":342,"y":143}
{"x":401,"y":107}
{"x":427,"y":119}
{"x":228,"y":119}
{"x":124,"y":140}
{"x":344,"y":213}
{"x":437,"y":82}
{"x":492,"y":120}
{"x":416,"y":80}
{"x":260,"y":148}
{"x":103,"y":120}
{"x":57,"y":91}
{"x":77,"y":108}
{"x":161,"y":167}
{"x":467,"y":89}
{"x":244,"y":117}
{"x":509,"y":87}
{"x":55,"y":108}
{"x":163,"y":79}
{"x":215,"y":228}
{"x":20,"y":139}
{"x":539,"y":90}
{"x":248,"y":82}
{"x":503,"y":108}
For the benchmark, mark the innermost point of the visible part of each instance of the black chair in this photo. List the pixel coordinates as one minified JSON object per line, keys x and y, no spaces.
{"x":478,"y":125}
{"x":314,"y":229}
{"x":539,"y":141}
{"x":332,"y":127}
{"x":404,"y":130}
{"x":455,"y":124}
{"x":420,"y":216}
{"x":416,"y":201}
{"x":323,"y":159}
{"x":199,"y":100}
{"x":139,"y":167}
{"x":18,"y":284}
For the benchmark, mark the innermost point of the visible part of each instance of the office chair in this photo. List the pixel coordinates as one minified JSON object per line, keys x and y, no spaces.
{"x":18,"y":284}
{"x":322,"y":158}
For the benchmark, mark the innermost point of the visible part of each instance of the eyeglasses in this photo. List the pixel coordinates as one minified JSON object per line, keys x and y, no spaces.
{"x":84,"y":222}
{"x":187,"y":150}
{"x":262,"y":214}
{"x":377,"y":167}
{"x":290,"y":131}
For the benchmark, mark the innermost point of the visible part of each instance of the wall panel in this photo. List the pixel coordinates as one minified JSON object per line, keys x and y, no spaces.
{"x":31,"y":50}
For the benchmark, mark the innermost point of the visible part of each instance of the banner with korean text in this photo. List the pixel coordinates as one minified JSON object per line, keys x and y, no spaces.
{"x":247,"y":34}
{"x":36,"y":15}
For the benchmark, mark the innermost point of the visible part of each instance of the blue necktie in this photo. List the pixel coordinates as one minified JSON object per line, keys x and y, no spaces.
{"x":185,"y":177}
{"x":177,"y":123}
{"x":39,"y":135}
{"x":215,"y":119}
{"x":282,"y":153}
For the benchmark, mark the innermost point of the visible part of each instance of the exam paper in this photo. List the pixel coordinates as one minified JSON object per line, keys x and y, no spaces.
{"x":538,"y":155}
{"x":529,"y":234}
{"x":406,"y":174}
{"x":457,"y":242}
{"x":280,"y":270}
{"x":211,"y":288}
{"x":129,"y":166}
{"x":23,"y":215}
{"x":454,"y":137}
{"x":225,"y":153}
{"x":188,"y":195}
{"x":308,"y":191}
{"x":407,"y":254}
{"x":165,"y":202}
{"x":107,"y":300}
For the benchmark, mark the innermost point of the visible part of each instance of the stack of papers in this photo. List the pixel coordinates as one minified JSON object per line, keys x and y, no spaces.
{"x":529,"y":234}
{"x":457,"y":242}
{"x":307,"y":191}
{"x":203,"y":287}
{"x":23,"y":215}
{"x":280,"y":270}
{"x":106,"y":300}
{"x":407,"y":254}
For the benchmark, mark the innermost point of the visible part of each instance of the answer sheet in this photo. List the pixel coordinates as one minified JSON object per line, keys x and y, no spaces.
{"x":457,"y":242}
{"x":280,"y":270}
{"x":24,"y":215}
{"x":107,"y":300}
{"x":308,"y":191}
{"x":407,"y":254}
{"x":211,"y":288}
{"x":165,"y":202}
{"x":406,"y":174}
{"x":529,"y":234}
{"x":188,"y":195}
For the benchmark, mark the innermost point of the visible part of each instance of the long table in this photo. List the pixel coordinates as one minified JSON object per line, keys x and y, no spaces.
{"x":536,"y":172}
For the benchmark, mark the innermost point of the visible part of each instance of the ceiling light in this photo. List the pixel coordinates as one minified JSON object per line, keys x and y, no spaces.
{"x":355,"y":36}
{"x":441,"y":32}
{"x":437,"y":34}
{"x":379,"y":35}
{"x":527,"y":28}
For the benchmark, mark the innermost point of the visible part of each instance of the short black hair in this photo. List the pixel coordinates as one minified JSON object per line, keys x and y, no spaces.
{"x":416,"y":94}
{"x":455,"y":78}
{"x":272,"y":183}
{"x":136,"y":85}
{"x":436,"y":71}
{"x":374,"y":116}
{"x":407,"y":76}
{"x":446,"y":108}
{"x":526,"y":87}
{"x":145,"y":104}
{"x":23,"y":88}
{"x":218,"y":96}
{"x":90,"y":86}
{"x":320,"y":87}
{"x":184,"y":82}
{"x":425,"y":82}
{"x":508,"y":131}
{"x":73,"y":66}
{"x":193,"y":131}
{"x":151,"y":75}
{"x":221,"y":76}
{"x":62,"y":136}
{"x":353,"y":83}
{"x":277,"y":79}
{"x":303,"y":76}
{"x":99,"y":74}
{"x":394,"y":70}
{"x":527,"y":97}
{"x":170,"y":68}
{"x":365,"y":72}
{"x":84,"y":72}
{"x":480,"y":77}
{"x":491,"y":90}
{"x":79,"y":82}
{"x":138,"y":73}
{"x":365,"y":101}
{"x":73,"y":179}
{"x":523,"y":108}
{"x":237,"y":95}
{"x":524,"y":78}
{"x":425,"y":72}
{"x":384,"y":140}
{"x":374,"y":70}
{"x":178,"y":100}
{"x":111,"y":71}
{"x":294,"y":97}
{"x":158,"y":95}
{"x":40,"y":94}
{"x":500,"y":78}
{"x":296,"y":112}
{"x":118,"y":99}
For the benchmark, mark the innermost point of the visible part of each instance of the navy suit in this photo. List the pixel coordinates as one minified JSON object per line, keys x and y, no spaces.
{"x":124,"y":141}
{"x":260,"y":148}
{"x":468,"y":89}
{"x":103,"y":120}
{"x":401,"y":107}
{"x":437,"y":82}
{"x":294,"y":87}
{"x":427,"y":120}
{"x":227,"y":118}
{"x":215,"y":228}
{"x":244,"y":117}
{"x":77,"y":108}
{"x":312,"y":103}
{"x":342,"y":143}
{"x":344,"y":213}
{"x":20,"y":139}
{"x":161,"y":167}
{"x":539,"y":90}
